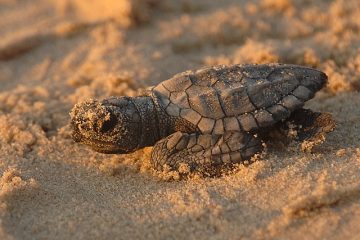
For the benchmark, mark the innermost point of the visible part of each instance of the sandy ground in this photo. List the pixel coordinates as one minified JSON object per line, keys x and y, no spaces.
{"x":56,"y":53}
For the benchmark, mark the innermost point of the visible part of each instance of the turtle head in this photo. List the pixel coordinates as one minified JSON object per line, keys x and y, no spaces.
{"x":109,"y":126}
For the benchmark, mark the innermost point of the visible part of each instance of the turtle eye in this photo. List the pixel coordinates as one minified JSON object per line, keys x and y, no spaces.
{"x":108,"y":124}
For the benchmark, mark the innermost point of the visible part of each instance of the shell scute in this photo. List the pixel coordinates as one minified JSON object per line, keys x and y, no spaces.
{"x":205,"y":101}
{"x":256,"y":95}
{"x":178,"y":83}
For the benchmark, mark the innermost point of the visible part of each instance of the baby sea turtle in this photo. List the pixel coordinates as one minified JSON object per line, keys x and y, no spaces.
{"x":205,"y":119}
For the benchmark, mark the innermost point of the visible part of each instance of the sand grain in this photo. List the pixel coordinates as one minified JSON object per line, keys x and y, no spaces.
{"x":56,"y":53}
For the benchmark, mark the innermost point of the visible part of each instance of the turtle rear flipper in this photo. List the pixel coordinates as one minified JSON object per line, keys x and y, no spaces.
{"x":206,"y":154}
{"x":304,"y":126}
{"x":313,"y":124}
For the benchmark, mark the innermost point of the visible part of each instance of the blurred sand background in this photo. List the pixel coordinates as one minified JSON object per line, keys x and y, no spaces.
{"x":56,"y":53}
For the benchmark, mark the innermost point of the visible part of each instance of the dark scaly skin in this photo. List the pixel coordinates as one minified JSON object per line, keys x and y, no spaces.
{"x":182,"y":135}
{"x":204,"y":153}
{"x":122,"y":124}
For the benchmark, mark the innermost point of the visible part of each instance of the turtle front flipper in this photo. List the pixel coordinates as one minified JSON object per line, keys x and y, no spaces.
{"x":207,"y":154}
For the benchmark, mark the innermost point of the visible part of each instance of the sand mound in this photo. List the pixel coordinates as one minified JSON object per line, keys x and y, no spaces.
{"x":56,"y":53}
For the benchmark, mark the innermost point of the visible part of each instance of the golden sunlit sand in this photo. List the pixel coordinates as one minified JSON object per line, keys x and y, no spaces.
{"x":54,"y":54}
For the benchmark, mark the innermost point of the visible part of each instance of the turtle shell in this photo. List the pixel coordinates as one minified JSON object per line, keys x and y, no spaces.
{"x":238,"y":97}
